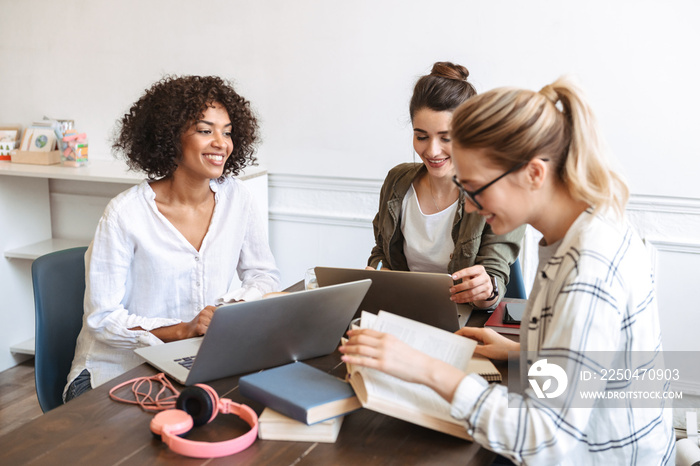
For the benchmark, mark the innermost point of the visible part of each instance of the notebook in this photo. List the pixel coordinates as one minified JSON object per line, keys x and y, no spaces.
{"x":420,"y":296}
{"x":255,"y":335}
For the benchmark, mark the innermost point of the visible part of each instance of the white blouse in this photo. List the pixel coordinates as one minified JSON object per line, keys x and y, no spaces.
{"x":428,"y":241}
{"x":142,"y":272}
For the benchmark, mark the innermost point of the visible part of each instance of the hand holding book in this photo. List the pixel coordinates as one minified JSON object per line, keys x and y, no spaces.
{"x":387,"y":353}
{"x":410,"y":370}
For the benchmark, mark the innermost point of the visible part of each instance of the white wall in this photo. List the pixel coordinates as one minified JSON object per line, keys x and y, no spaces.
{"x":331,"y":82}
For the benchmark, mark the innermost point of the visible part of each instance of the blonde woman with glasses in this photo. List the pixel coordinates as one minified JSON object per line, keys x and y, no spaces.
{"x":524,"y":157}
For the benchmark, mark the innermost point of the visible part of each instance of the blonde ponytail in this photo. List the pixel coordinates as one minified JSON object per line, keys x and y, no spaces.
{"x":586,"y":169}
{"x":516,"y":125}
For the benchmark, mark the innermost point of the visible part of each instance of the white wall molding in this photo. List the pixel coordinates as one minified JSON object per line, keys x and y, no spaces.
{"x":329,"y":201}
{"x":664,"y":204}
{"x":688,"y":388}
{"x":329,"y":220}
{"x":329,"y":183}
{"x":663,"y":245}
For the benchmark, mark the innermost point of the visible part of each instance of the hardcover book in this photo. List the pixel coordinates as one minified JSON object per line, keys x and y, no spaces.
{"x":276,"y":426}
{"x":301,"y":392}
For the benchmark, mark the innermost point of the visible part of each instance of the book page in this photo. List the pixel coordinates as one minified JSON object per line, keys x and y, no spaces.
{"x":453,"y":349}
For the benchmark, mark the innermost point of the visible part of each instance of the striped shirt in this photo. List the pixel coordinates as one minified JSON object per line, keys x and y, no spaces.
{"x":593,"y":298}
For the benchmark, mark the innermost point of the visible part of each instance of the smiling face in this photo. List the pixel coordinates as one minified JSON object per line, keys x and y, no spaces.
{"x":206,"y":144}
{"x":506,"y":203}
{"x":431,"y":140}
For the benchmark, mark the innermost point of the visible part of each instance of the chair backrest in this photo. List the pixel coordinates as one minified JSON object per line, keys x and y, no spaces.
{"x":59,"y":289}
{"x":516,"y":286}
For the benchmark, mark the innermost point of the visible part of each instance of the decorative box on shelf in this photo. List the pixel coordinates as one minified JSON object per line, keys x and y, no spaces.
{"x":9,"y":140}
{"x":35,"y":157}
{"x":6,"y":147}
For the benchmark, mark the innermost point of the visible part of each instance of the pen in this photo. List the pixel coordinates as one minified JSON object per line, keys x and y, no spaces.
{"x":379,"y":266}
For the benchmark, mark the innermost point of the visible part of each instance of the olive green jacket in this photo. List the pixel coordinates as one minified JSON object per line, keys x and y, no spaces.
{"x":475,"y":243}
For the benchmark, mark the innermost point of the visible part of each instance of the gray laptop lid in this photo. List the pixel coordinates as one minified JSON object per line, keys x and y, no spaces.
{"x":250,"y":336}
{"x":420,"y":296}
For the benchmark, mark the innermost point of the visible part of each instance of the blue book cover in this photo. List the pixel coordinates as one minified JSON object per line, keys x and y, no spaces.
{"x":300,"y":392}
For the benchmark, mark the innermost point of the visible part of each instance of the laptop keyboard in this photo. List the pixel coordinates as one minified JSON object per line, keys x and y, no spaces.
{"x":186,"y":362}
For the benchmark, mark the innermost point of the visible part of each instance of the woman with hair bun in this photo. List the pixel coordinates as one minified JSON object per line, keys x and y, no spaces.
{"x":171,"y":248}
{"x":536,"y":158}
{"x":422,"y":224}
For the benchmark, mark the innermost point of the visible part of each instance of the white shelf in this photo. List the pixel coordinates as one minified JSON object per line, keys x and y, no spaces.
{"x":108,"y":171}
{"x":32,"y":251}
{"x":26,"y":347}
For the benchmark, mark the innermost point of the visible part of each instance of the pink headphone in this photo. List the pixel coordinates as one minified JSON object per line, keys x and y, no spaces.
{"x":196,"y":406}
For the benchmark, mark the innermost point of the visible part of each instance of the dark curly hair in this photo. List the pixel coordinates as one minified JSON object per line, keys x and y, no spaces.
{"x":149,"y":136}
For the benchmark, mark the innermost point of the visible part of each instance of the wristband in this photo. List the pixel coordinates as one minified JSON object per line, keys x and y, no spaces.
{"x":494,"y":294}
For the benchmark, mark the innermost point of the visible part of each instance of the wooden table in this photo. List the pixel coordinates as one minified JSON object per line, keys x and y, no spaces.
{"x":93,"y":429}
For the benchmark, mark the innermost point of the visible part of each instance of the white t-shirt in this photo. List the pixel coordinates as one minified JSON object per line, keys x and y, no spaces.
{"x":427,"y":238}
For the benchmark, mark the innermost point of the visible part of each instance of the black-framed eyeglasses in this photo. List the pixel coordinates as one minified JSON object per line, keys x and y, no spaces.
{"x":471,"y":195}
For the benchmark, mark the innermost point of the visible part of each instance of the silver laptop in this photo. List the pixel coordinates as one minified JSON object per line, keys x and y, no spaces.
{"x":250,"y":336}
{"x":420,"y":296}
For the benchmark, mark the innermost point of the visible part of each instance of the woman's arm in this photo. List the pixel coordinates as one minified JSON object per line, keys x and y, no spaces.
{"x":194,"y":328}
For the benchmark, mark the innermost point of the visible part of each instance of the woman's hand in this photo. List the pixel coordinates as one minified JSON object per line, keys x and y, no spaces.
{"x":194,"y":328}
{"x":386,"y":353}
{"x":200,"y":324}
{"x":476,"y":286}
{"x":493,"y":344}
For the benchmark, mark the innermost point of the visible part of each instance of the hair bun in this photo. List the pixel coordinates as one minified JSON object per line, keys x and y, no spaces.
{"x":449,"y":70}
{"x":550,"y":93}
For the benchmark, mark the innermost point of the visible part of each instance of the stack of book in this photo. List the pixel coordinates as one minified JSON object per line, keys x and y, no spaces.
{"x":302,"y":403}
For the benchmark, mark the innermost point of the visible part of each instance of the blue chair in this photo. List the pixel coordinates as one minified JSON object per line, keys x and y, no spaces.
{"x":516,"y":286}
{"x":59,"y":288}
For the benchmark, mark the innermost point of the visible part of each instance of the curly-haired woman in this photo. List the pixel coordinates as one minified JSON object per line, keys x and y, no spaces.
{"x":170,"y":248}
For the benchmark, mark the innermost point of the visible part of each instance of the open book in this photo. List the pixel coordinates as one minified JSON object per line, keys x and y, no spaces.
{"x":413,"y":402}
